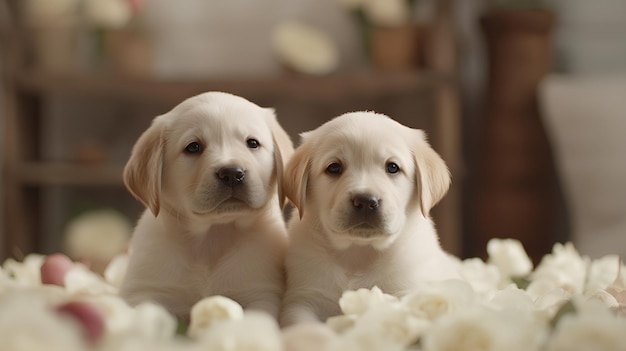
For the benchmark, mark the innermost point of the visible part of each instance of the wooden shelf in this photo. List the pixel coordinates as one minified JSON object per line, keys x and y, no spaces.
{"x":68,"y":174}
{"x":301,"y":87}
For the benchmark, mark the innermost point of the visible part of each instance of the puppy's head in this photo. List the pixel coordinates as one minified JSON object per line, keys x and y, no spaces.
{"x":361,"y":175}
{"x":214,"y":155}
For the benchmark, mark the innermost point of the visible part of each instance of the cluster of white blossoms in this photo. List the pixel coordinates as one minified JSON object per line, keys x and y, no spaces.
{"x":568,"y":302}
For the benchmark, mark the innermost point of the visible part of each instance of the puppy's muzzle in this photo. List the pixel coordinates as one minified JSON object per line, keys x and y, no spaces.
{"x":231,"y":176}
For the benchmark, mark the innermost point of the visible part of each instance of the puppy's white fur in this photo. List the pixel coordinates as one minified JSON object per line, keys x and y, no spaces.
{"x":200,"y":236}
{"x":336,"y":245}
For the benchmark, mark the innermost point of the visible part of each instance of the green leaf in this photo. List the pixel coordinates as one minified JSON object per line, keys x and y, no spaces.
{"x":521,"y":282}
{"x":183,"y":326}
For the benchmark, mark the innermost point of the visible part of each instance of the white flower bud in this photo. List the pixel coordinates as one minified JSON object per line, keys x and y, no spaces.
{"x":210,"y":310}
{"x":357,"y":302}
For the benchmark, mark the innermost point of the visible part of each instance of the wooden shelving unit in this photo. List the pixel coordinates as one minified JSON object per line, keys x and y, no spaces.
{"x":296,"y":98}
{"x":301,"y":87}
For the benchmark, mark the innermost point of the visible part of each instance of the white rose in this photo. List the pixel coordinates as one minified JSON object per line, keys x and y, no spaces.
{"x":206,"y":312}
{"x":134,"y":343}
{"x":434,"y":299}
{"x":255,"y":331}
{"x":592,"y":327}
{"x":118,"y":316}
{"x":154,"y":322}
{"x":383,"y":327}
{"x":116,"y":270}
{"x":565,"y":267}
{"x":358,"y":301}
{"x":26,"y":324}
{"x":481,"y":328}
{"x":27,"y":272}
{"x":510,"y":257}
{"x":387,"y":13}
{"x":512,"y":298}
{"x":603,"y":272}
{"x":603,"y":296}
{"x":304,"y":48}
{"x":551,"y":301}
{"x":484,"y":278}
{"x":81,"y":280}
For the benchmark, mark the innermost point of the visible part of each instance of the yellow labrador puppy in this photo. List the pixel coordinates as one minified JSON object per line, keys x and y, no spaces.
{"x":363,"y":185}
{"x":208,"y":172}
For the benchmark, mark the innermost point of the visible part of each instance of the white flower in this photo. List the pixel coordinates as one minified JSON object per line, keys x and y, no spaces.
{"x":305,"y":48}
{"x":484,"y":329}
{"x":357,"y":302}
{"x":110,"y":14}
{"x":118,"y":315}
{"x":132,"y":343}
{"x":605,"y":297}
{"x":512,"y":298}
{"x":27,"y":272}
{"x":79,"y":279}
{"x":550,"y":301}
{"x":255,"y":331}
{"x":592,"y":327}
{"x":206,"y":312}
{"x":484,"y":278}
{"x":382,"y":327}
{"x":116,"y":270}
{"x":152,"y":321}
{"x":387,"y":13}
{"x":510,"y":257}
{"x":26,"y":324}
{"x":307,"y":337}
{"x":97,"y":235}
{"x":564,"y":267}
{"x":603,"y":272}
{"x":434,"y":299}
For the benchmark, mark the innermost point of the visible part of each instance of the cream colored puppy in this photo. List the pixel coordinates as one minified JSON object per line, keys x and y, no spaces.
{"x":208,"y":172}
{"x":363,"y":185}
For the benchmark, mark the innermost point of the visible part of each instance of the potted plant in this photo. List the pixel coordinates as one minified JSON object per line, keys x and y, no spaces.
{"x":390,"y":32}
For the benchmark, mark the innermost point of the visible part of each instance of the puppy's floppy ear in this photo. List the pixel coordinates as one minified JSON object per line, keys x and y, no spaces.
{"x":142,"y":174}
{"x":432,"y":176}
{"x":297,"y":176}
{"x":283,"y":150}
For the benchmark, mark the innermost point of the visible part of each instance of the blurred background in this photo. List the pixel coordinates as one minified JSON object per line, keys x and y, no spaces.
{"x":524,"y":100}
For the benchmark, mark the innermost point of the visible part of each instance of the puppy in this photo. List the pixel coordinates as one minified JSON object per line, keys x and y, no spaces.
{"x":363,"y":185}
{"x":208,"y":172}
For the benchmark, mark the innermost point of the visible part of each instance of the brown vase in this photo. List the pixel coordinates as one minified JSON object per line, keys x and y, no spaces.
{"x":395,"y":48}
{"x":517,"y":194}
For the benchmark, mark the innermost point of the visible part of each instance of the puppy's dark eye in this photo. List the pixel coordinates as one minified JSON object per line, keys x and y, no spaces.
{"x":193,"y":148}
{"x":392,"y":167}
{"x":252,"y":143}
{"x":334,"y":168}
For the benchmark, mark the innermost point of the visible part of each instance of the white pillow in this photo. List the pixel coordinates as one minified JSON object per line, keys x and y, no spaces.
{"x":585,"y":118}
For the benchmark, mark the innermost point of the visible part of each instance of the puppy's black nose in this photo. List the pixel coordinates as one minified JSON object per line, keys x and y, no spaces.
{"x":365,"y":202}
{"x":231,"y":175}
